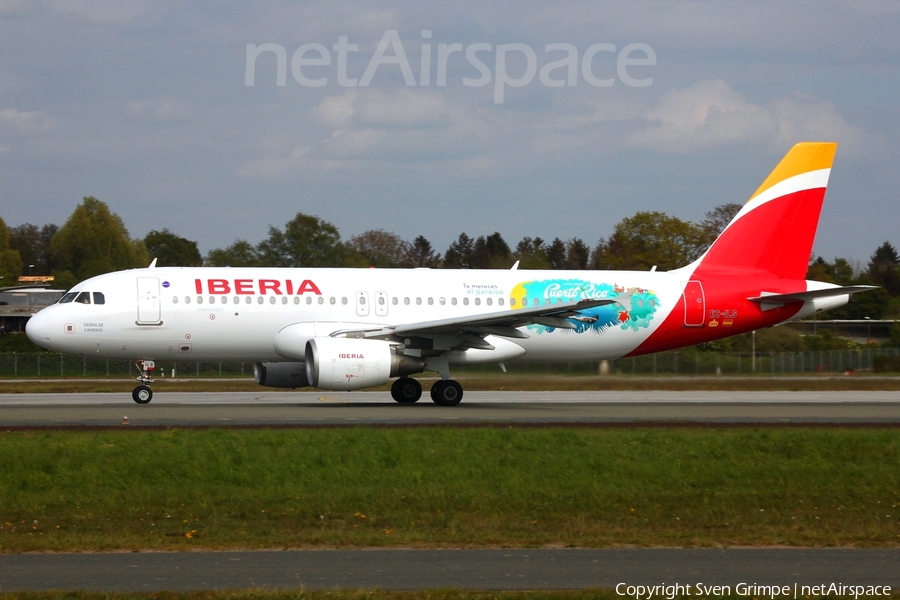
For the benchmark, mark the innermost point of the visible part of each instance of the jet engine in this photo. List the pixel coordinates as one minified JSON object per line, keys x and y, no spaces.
{"x":280,"y":374}
{"x":354,"y":364}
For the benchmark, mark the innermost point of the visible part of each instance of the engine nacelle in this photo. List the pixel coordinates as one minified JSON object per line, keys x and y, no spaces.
{"x":354,"y":364}
{"x":281,"y":374}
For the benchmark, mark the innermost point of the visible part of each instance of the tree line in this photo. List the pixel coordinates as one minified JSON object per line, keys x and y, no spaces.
{"x":94,"y":240}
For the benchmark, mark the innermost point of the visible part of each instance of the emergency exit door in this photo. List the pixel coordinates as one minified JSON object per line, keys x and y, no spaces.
{"x":148,"y":301}
{"x":694,"y":303}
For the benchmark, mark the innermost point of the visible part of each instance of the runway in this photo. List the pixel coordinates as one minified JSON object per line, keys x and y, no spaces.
{"x":429,"y":569}
{"x":531,"y":408}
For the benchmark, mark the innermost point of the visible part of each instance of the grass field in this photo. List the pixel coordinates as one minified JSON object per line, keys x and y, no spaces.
{"x":447,"y":487}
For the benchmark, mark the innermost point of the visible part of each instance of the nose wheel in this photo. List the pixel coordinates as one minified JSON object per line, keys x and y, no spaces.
{"x":142,"y":394}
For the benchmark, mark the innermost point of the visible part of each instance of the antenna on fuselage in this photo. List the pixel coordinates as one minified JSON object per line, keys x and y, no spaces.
{"x":152,"y":265}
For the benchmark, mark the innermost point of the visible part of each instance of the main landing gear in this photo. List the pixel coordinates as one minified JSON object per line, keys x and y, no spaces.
{"x":445,"y":392}
{"x":406,"y":390}
{"x":142,"y":394}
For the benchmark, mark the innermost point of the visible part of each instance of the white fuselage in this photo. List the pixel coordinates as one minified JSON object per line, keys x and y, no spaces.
{"x":237,"y":313}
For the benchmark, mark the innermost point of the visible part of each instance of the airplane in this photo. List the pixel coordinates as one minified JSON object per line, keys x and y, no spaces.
{"x":350,"y":329}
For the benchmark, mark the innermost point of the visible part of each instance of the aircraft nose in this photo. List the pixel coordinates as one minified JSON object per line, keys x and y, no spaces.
{"x":38,"y":328}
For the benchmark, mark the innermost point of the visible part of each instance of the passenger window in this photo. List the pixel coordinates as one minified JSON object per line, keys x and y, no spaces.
{"x":453,"y":301}
{"x":309,"y":299}
{"x":260,"y":300}
{"x":296,"y":299}
{"x":362,"y":300}
{"x":466,"y":301}
{"x":248,"y":300}
{"x":442,"y":301}
{"x":321,"y":299}
{"x":174,"y":300}
{"x":394,"y":300}
{"x":187,"y":299}
{"x":489,"y":301}
{"x":344,"y":300}
{"x":418,"y":301}
{"x":68,"y":297}
{"x":536,"y":302}
{"x":236,"y":300}
{"x":332,"y":300}
{"x":477,"y":301}
{"x":99,"y":298}
{"x":380,"y":300}
{"x":271,"y":299}
{"x":500,"y":301}
{"x":430,"y":301}
{"x":212,"y":299}
{"x":199,"y":299}
{"x":83,"y":298}
{"x":284,"y":299}
{"x":512,"y":301}
{"x":406,"y":301}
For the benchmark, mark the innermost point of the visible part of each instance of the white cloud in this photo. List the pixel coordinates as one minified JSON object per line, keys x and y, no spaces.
{"x":102,"y":11}
{"x":160,"y":110}
{"x":9,"y":8}
{"x":26,"y":122}
{"x":372,"y":107}
{"x":710,"y":114}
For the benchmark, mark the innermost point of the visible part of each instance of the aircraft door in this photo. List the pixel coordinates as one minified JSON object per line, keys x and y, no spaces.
{"x":148,"y":300}
{"x":362,"y":304}
{"x":694,"y":304}
{"x":381,"y":304}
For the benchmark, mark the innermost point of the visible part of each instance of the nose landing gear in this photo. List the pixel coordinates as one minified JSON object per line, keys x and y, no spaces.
{"x":142,"y":394}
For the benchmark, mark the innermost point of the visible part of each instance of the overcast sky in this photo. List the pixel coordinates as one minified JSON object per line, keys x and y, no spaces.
{"x":683,"y":106}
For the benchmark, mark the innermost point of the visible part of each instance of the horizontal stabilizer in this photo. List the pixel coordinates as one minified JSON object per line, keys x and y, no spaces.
{"x":768,"y":298}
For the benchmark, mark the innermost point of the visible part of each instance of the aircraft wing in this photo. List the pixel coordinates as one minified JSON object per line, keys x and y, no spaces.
{"x":503,"y":323}
{"x":768,"y":298}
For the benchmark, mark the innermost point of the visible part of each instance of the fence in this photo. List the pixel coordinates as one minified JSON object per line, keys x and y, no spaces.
{"x":46,"y":364}
{"x":690,"y":362}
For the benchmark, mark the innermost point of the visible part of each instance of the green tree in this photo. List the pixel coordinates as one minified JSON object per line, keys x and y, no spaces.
{"x":421,"y":254}
{"x":531,"y":254}
{"x":654,"y":238}
{"x":171,"y":250}
{"x":715,"y":222}
{"x":882,"y":268}
{"x":380,"y":248}
{"x":491,"y":252}
{"x":10,"y":261}
{"x":33,"y":244}
{"x":819,"y":270}
{"x":306,"y":241}
{"x":600,"y":256}
{"x":239,"y":254}
{"x":577,"y":254}
{"x":459,"y":254}
{"x":556,"y":254}
{"x":94,"y":241}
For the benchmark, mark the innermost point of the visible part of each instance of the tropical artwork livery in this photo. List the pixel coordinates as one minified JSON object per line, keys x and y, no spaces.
{"x":634,"y":308}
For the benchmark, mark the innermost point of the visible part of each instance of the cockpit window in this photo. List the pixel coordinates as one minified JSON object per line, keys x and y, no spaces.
{"x":99,"y":298}
{"x":84,"y":298}
{"x":68,"y":297}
